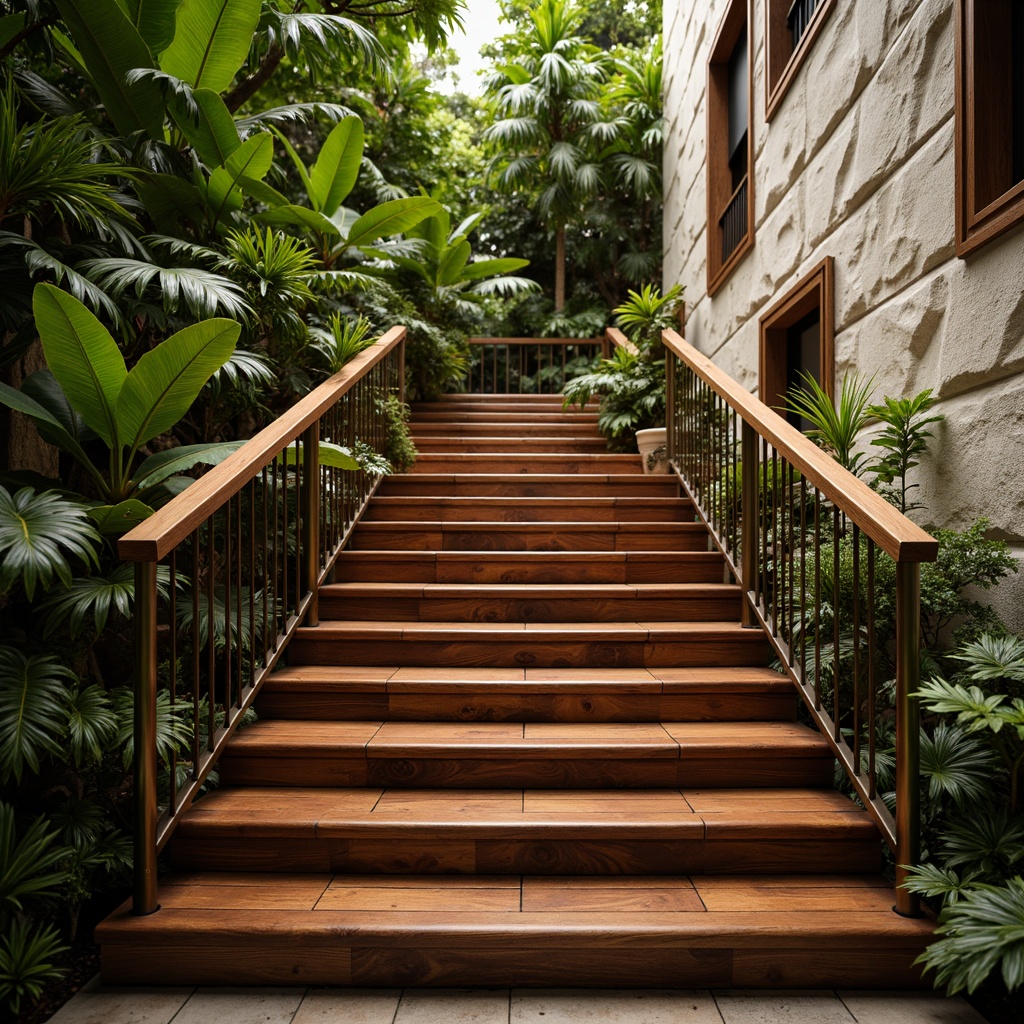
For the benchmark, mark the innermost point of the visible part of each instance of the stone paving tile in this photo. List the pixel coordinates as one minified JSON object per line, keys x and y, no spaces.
{"x":766,"y":1007}
{"x":96,"y":1004}
{"x":575,"y":1006}
{"x":348,"y":1006}
{"x":453,"y":1006}
{"x":240,"y":1006}
{"x":909,"y":1008}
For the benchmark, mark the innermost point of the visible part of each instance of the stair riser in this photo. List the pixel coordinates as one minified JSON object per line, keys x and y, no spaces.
{"x":764,"y":769}
{"x":520,"y":652}
{"x":697,"y":609}
{"x":511,"y":445}
{"x":668,"y":511}
{"x":510,"y":462}
{"x":694,"y":567}
{"x":399,"y":707}
{"x":396,"y":855}
{"x":286,"y":961}
{"x":408,"y":485}
{"x":521,"y":427}
{"x":531,"y":537}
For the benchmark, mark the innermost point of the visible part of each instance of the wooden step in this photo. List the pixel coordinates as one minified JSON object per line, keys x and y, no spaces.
{"x":540,"y":415}
{"x":501,"y":755}
{"x":495,"y":402}
{"x":526,"y":832}
{"x":530,"y":426}
{"x":419,"y":535}
{"x":527,"y":510}
{"x":526,"y":462}
{"x":662,"y":644}
{"x":506,"y":602}
{"x":324,"y":693}
{"x":509,"y":443}
{"x":530,"y":485}
{"x":667,"y":931}
{"x":530,"y":567}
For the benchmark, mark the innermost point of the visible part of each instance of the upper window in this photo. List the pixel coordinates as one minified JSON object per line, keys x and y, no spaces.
{"x":730,"y":148}
{"x":797,"y":340}
{"x":791,"y":26}
{"x":989,"y":120}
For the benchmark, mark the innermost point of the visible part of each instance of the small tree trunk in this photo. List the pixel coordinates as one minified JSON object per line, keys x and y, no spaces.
{"x":20,"y":446}
{"x":559,"y":268}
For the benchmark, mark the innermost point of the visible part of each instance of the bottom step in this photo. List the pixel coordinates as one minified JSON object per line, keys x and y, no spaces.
{"x":665,"y":932}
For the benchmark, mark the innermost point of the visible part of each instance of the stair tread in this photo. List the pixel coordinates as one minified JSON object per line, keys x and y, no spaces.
{"x":530,"y":590}
{"x":530,"y":740}
{"x":529,"y":680}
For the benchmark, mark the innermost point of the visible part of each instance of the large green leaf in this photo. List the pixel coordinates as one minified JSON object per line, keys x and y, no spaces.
{"x":335,"y":456}
{"x":391,"y":218}
{"x":44,"y":421}
{"x":10,"y":26}
{"x":38,"y":533}
{"x":113,"y":520}
{"x":167,"y":379}
{"x":83,"y":357}
{"x":452,"y":263}
{"x":168,"y":199}
{"x":154,"y":19}
{"x":297,"y":161}
{"x":33,"y":691}
{"x":292,"y":215}
{"x":46,"y":390}
{"x":111,"y":47}
{"x":337,"y":166}
{"x":488,"y":268}
{"x":251,"y":160}
{"x":172,"y":461}
{"x":211,"y":41}
{"x":214,"y":136}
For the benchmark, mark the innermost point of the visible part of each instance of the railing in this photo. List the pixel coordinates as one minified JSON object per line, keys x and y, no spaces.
{"x":227,"y":571}
{"x":616,"y":339}
{"x":733,"y":221}
{"x":799,"y":18}
{"x":529,"y":365}
{"x":830,"y":571}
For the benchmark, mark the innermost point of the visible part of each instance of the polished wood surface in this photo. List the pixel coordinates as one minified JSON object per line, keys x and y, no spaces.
{"x":524,"y":767}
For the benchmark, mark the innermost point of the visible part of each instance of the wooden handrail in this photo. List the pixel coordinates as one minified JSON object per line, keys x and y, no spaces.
{"x":153,"y":538}
{"x":619,"y":340}
{"x":892,"y":531}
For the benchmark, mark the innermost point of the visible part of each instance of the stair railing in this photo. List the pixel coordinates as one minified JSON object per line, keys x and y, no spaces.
{"x":536,"y":366}
{"x":227,"y":571}
{"x":829,"y":569}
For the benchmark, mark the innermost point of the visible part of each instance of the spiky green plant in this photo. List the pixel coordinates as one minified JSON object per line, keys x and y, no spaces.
{"x":834,"y":428}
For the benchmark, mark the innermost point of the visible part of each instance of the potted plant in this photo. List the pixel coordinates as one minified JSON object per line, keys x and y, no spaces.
{"x":632,"y":381}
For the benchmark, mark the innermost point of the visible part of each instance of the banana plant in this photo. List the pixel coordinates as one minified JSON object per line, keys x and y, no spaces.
{"x":335,"y":228}
{"x":92,"y":394}
{"x":443,"y":262}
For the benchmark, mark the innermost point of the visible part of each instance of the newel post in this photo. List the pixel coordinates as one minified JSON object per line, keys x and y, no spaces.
{"x":144,"y":886}
{"x":749,"y":520}
{"x":908,"y":731}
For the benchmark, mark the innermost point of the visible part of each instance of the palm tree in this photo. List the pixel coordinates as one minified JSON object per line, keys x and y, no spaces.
{"x":546,"y":101}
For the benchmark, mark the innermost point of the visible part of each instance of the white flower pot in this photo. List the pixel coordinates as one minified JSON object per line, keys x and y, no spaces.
{"x":653,"y":452}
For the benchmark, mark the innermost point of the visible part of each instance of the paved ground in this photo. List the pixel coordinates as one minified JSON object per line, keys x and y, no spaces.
{"x":98,"y":1005}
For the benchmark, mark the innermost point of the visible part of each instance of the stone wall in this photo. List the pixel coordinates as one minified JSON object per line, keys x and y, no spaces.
{"x":858,"y":164}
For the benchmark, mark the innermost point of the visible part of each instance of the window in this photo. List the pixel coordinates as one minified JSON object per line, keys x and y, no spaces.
{"x":989,"y":120}
{"x":798,"y":337}
{"x":791,"y":26}
{"x":730,"y":147}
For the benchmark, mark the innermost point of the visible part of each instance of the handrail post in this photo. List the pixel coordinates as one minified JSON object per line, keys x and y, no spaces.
{"x":144,"y":888}
{"x":908,"y":731}
{"x":311,"y":520}
{"x":749,"y":523}
{"x":670,"y":406}
{"x":401,"y":370}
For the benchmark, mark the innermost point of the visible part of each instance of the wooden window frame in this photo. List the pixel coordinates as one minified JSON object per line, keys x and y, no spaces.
{"x":737,"y":18}
{"x":782,"y":62}
{"x":816,"y":290}
{"x":977,"y":221}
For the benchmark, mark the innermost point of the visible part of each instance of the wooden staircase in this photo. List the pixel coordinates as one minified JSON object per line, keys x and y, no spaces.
{"x":528,"y":744}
